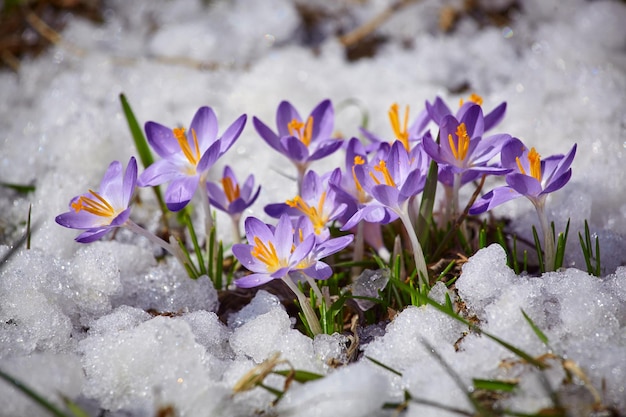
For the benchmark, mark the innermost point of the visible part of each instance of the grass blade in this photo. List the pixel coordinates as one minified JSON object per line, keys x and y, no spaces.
{"x":541,"y":335}
{"x":20,"y":386}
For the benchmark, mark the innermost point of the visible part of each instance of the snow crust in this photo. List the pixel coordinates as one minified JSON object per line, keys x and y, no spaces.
{"x":74,"y":318}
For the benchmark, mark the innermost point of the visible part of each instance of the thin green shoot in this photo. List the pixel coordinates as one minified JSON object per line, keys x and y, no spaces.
{"x":542,"y":267}
{"x":561,"y":242}
{"x":23,"y":388}
{"x":494,"y":385}
{"x":20,"y":188}
{"x":185,"y":219}
{"x":28,"y":230}
{"x":541,"y":335}
{"x":587,"y":247}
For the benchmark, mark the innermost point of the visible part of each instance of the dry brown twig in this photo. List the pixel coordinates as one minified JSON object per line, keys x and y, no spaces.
{"x":370,"y":26}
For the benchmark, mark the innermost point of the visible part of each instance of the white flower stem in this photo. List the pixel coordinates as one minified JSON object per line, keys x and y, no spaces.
{"x":172,"y":249}
{"x":307,"y":310}
{"x":236,"y":232}
{"x":418,"y":254}
{"x":359,"y":248}
{"x":548,"y":237}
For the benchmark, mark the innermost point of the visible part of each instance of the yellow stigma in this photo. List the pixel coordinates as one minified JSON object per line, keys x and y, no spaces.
{"x":98,"y":205}
{"x":302,"y":131}
{"x":474,"y":98}
{"x":192,"y":156}
{"x":461,"y":148}
{"x":266,"y":254}
{"x":315,"y":214}
{"x":534,"y":161}
{"x":382,"y":168}
{"x":232,"y":192}
{"x":401,"y":131}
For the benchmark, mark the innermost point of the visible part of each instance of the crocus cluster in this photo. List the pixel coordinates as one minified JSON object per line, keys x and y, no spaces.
{"x":379,"y":183}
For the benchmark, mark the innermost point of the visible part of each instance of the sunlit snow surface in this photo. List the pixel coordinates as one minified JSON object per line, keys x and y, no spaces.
{"x":73,"y":317}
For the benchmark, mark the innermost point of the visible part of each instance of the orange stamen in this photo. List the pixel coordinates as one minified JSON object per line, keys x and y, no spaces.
{"x":192,"y":156}
{"x":534,"y":161}
{"x":98,"y":205}
{"x":382,"y":168}
{"x":316,"y":215}
{"x":474,"y":98}
{"x":462,"y":147}
{"x":302,"y":131}
{"x":232,"y":192}
{"x":266,"y":254}
{"x":401,"y":132}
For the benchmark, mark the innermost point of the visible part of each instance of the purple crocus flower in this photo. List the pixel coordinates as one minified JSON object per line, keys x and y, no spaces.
{"x":462,"y":146}
{"x":530,"y":176}
{"x":439,"y":109}
{"x":301,"y":140}
{"x":230,"y":197}
{"x":270,"y":252}
{"x":187,"y":155}
{"x":311,"y":265}
{"x":463,"y":154}
{"x":317,"y":201}
{"x":390,"y":178}
{"x":99,"y":212}
{"x":534,"y":179}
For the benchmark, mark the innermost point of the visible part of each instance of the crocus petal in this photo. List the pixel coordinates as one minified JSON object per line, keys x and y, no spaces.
{"x":276,"y":210}
{"x":493,"y":199}
{"x":489,"y":147}
{"x":284,"y":115}
{"x":558,"y":183}
{"x":80,"y":220}
{"x":386,"y":194}
{"x":217,"y":197}
{"x":256,"y":228}
{"x":161,"y":139}
{"x":92,"y":235}
{"x":283,"y":237}
{"x":110,"y":183}
{"x":253,"y":280}
{"x":130,"y":181}
{"x":332,"y":246}
{"x":158,"y":173}
{"x":121,"y":218}
{"x":474,"y":121}
{"x":431,"y":148}
{"x":243,"y":252}
{"x":413,"y":185}
{"x":302,"y":250}
{"x":495,"y":116}
{"x":204,"y":124}
{"x":524,"y":184}
{"x":325,"y":149}
{"x":209,"y":158}
{"x":437,"y":110}
{"x":319,"y":270}
{"x":180,"y":191}
{"x":294,"y":148}
{"x":232,"y":133}
{"x":323,"y":120}
{"x":267,"y":134}
{"x":512,"y":149}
